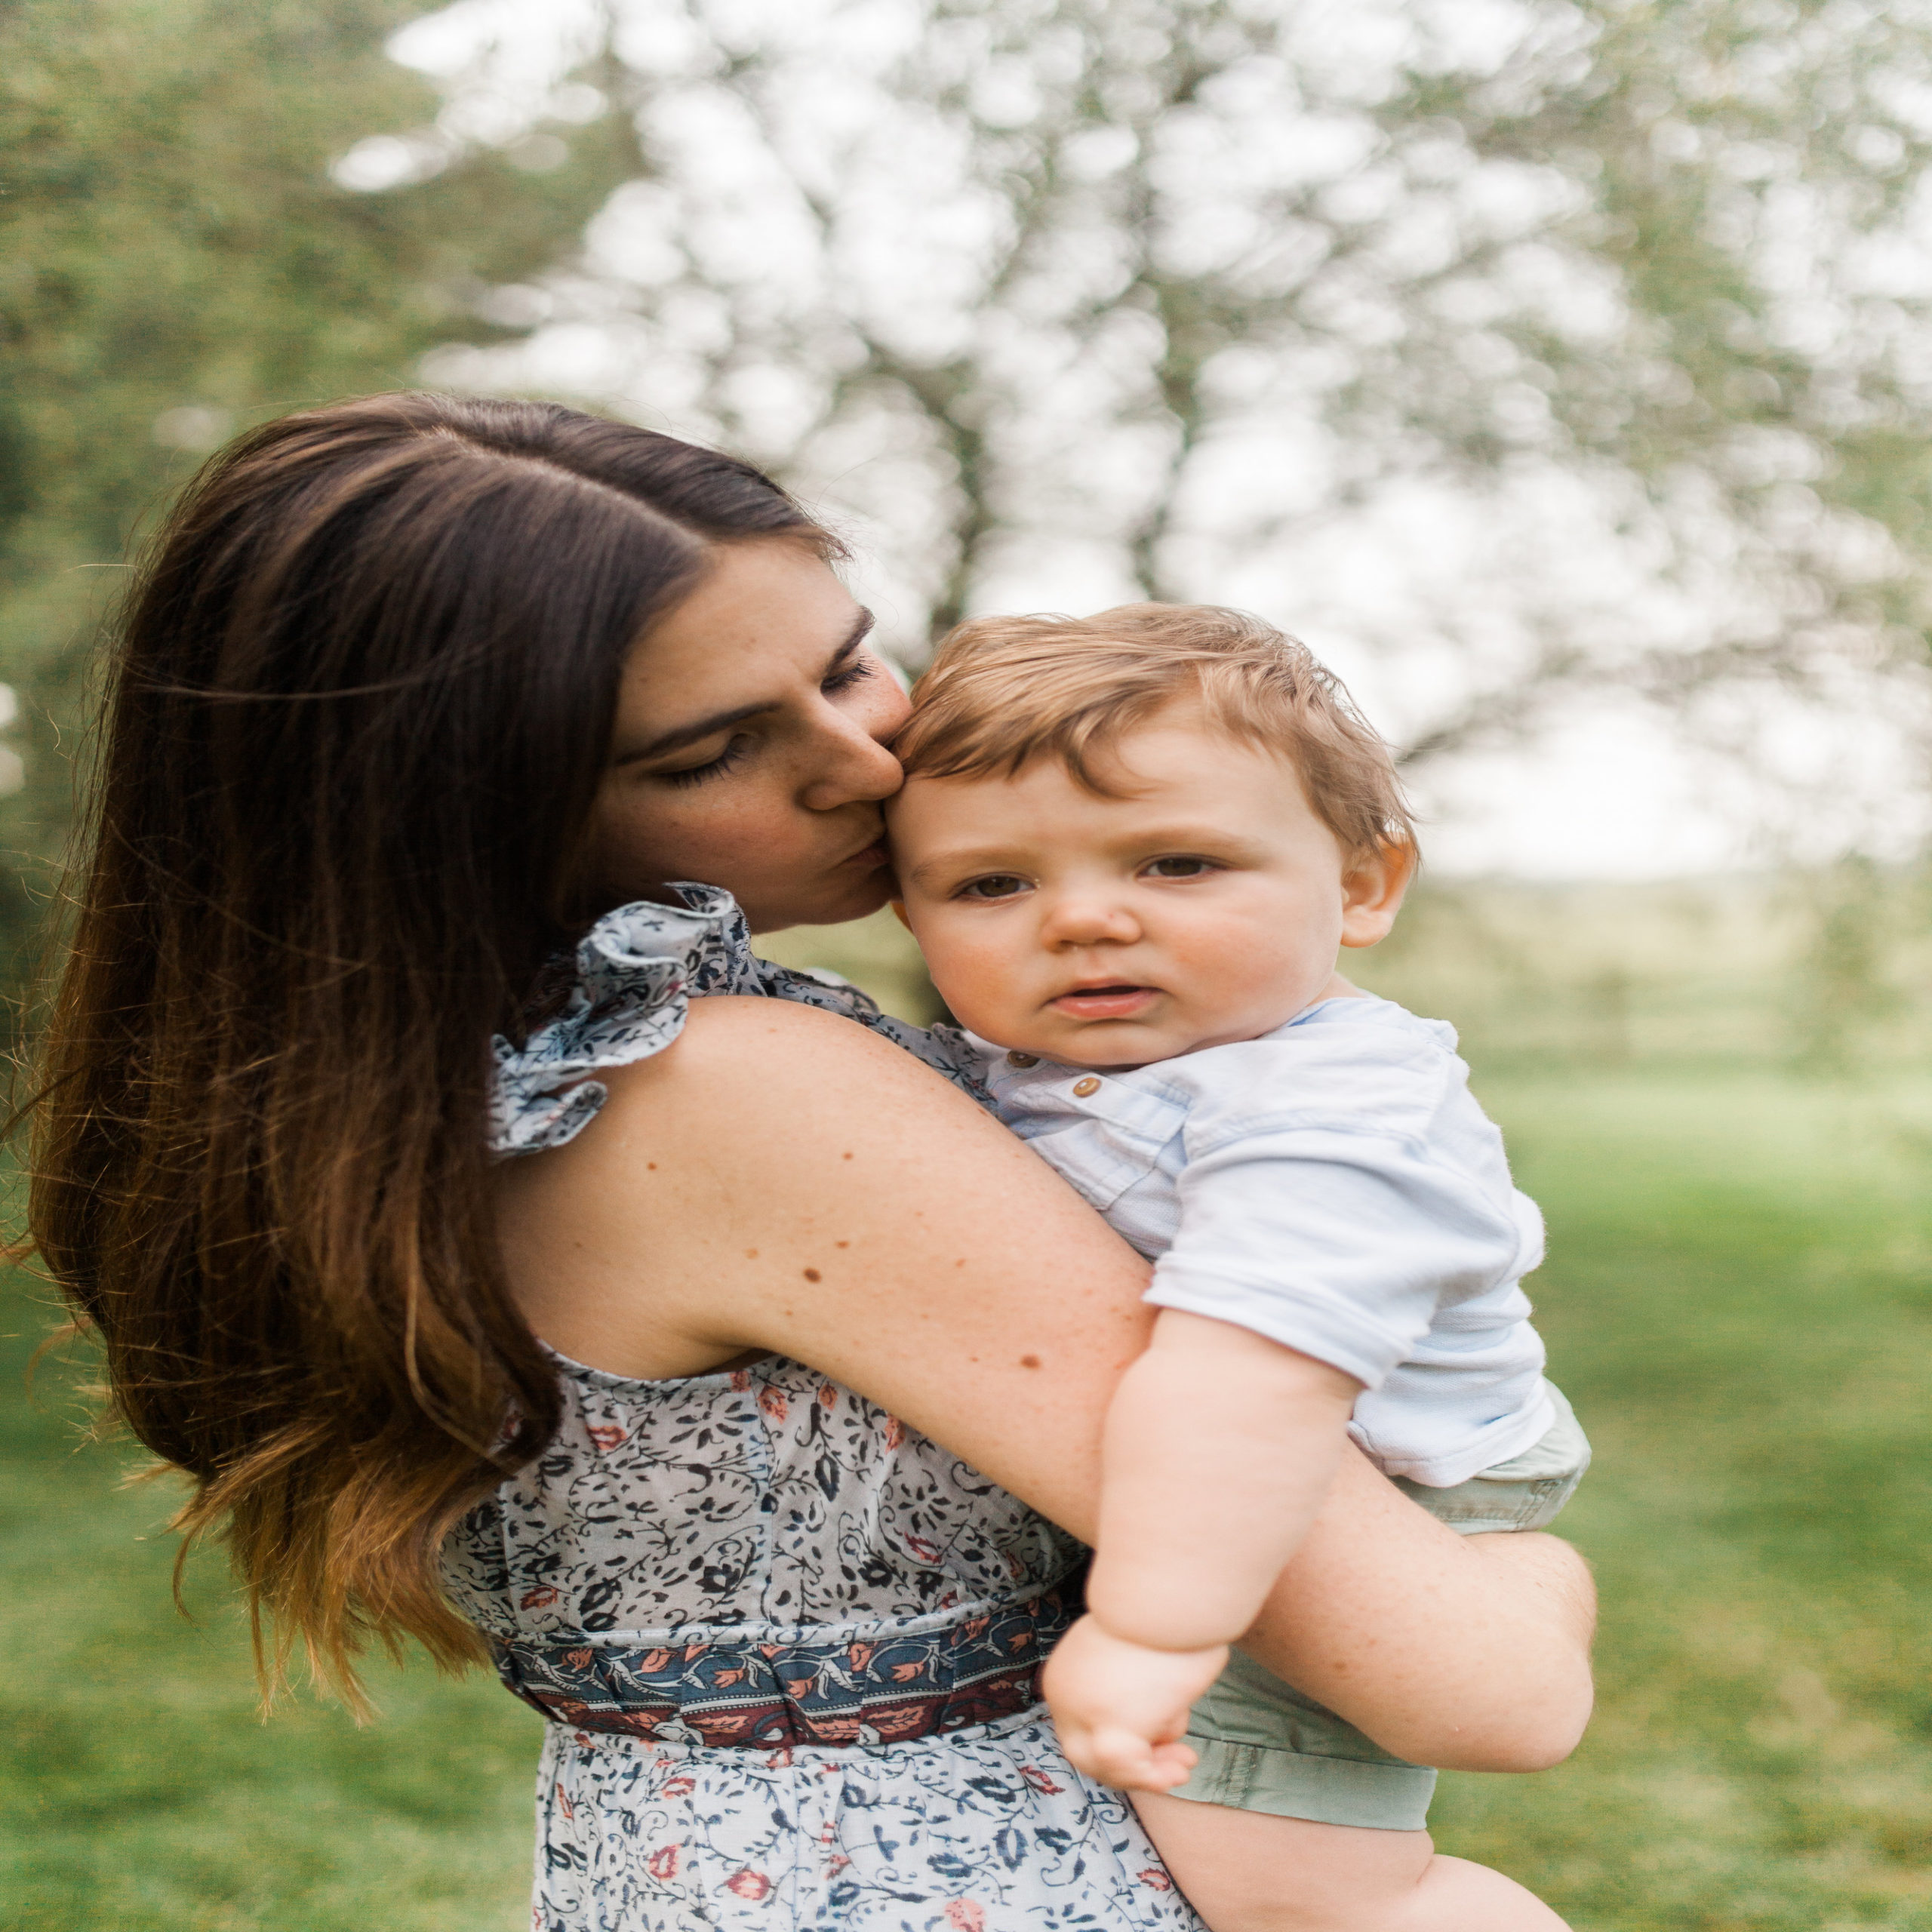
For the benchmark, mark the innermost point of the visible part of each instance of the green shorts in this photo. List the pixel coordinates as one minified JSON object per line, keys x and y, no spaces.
{"x":1265,"y":1747}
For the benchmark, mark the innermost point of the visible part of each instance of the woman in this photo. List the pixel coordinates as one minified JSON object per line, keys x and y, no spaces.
{"x":412,"y":694}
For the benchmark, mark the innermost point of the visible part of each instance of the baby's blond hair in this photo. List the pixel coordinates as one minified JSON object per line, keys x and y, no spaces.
{"x":1003,"y":691}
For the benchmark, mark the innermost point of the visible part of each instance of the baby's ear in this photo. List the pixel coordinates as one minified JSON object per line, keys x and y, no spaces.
{"x":899,"y":912}
{"x":1372,"y":890}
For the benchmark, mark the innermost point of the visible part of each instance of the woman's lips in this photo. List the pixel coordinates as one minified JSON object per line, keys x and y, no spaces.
{"x":1115,"y":1002}
{"x":874,"y":856}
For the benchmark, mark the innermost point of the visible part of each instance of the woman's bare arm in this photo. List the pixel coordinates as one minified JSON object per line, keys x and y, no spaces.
{"x":782,"y":1180}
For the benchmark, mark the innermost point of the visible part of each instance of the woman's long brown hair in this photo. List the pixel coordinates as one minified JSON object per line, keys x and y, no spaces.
{"x":360,"y":702}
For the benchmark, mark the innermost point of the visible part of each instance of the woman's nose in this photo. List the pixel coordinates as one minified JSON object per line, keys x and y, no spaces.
{"x":852,"y":766}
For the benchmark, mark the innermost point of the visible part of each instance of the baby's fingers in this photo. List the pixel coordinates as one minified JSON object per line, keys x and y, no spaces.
{"x":1125,"y":1759}
{"x":1173,"y":1764}
{"x":1121,"y":1757}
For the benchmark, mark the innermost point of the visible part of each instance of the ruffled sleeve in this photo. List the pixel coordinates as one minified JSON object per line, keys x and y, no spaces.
{"x":636,"y":971}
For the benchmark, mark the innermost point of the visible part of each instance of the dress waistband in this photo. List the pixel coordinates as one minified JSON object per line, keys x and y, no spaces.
{"x":884,"y":1690}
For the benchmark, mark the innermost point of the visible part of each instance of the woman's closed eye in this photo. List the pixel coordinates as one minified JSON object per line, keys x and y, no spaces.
{"x":854,"y":672}
{"x":1179,"y":865}
{"x":861,"y":666}
{"x":737,"y":750}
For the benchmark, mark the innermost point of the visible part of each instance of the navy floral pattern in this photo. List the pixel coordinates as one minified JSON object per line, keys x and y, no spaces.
{"x":881,"y":1764}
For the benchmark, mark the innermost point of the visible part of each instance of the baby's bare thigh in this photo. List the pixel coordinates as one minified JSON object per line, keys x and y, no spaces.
{"x":1253,"y":1872}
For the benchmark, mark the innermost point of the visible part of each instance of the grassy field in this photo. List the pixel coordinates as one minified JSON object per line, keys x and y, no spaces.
{"x":1740,"y":1300}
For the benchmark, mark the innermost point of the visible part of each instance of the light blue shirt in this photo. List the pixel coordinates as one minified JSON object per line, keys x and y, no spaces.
{"x":1333,"y":1185}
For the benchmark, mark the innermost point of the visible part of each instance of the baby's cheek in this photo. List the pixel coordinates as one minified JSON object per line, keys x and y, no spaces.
{"x":977,"y":980}
{"x":1256,"y":961}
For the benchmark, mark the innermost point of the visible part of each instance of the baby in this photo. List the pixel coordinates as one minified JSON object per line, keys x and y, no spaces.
{"x":1129,"y":847}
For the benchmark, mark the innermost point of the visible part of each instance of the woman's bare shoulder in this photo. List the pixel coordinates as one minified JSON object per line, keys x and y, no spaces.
{"x":765,"y":1110}
{"x":761,"y":1068}
{"x":773,"y":1130}
{"x":782,"y":1178}
{"x":735,"y":1033}
{"x":739,"y":1081}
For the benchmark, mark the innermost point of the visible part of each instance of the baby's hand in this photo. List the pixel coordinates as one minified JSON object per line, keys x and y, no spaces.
{"x":1120,"y":1709}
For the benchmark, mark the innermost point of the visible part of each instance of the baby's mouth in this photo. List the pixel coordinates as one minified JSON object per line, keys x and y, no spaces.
{"x":1118,"y":1001}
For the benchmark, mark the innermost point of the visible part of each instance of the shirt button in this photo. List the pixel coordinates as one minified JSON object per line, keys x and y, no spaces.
{"x":1082,"y":1088}
{"x":1022,"y":1060}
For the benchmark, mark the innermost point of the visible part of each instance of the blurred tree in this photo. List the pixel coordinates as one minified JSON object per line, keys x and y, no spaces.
{"x":1179,"y":285}
{"x":1843,"y":1000}
{"x":1184,"y":294}
{"x":176,"y":259}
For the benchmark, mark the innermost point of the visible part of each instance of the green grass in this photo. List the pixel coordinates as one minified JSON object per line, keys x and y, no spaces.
{"x":1740,"y":1301}
{"x":140,"y":1790}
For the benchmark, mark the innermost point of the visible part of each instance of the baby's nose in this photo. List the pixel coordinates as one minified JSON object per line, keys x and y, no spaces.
{"x":1087,"y":919}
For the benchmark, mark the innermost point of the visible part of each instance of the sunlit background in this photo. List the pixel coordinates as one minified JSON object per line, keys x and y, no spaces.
{"x":1560,"y":369}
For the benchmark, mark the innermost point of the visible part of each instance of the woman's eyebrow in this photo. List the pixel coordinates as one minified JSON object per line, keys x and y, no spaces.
{"x":722,"y":720}
{"x":862,"y":626}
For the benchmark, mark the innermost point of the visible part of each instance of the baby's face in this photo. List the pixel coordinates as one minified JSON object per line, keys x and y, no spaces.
{"x":1204,"y":907}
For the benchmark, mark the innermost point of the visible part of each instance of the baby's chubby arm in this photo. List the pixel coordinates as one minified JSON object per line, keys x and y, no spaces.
{"x":1221,"y":1446}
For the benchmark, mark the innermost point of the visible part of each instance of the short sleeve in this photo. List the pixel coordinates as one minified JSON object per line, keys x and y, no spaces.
{"x":1337,"y":1208}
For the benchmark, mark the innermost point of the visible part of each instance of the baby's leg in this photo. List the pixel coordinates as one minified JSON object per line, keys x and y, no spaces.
{"x":1250,"y":1872}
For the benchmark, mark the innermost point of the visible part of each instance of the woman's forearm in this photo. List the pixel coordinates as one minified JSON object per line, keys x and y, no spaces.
{"x":1468,"y":1653}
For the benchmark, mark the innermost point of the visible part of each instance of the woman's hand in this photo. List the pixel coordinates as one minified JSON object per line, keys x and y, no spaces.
{"x":783,"y":1180}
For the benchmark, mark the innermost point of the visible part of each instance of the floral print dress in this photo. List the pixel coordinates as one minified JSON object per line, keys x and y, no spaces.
{"x":788,"y":1647}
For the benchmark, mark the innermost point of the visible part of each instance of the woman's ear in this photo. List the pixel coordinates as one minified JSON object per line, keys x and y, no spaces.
{"x":1373,"y":884}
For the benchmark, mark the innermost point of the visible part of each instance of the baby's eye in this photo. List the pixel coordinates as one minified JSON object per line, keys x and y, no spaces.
{"x":992,"y":885}
{"x":1182,"y":865}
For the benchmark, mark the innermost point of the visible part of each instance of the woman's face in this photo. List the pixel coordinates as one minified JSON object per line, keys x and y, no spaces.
{"x":747,"y":750}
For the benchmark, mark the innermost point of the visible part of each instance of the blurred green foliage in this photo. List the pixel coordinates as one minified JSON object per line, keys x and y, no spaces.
{"x":1826,"y":971}
{"x":176,"y":261}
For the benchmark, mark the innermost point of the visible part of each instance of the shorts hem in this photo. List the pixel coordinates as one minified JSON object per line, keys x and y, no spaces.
{"x":1293,"y":1784}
